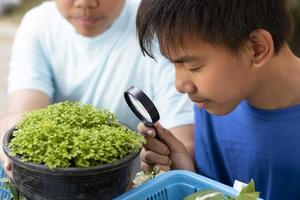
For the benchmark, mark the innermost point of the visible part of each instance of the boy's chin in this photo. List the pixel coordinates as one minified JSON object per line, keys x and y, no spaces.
{"x":216,"y":109}
{"x":88,"y":34}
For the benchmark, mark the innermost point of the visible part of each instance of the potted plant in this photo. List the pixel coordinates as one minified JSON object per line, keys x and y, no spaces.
{"x":71,"y":151}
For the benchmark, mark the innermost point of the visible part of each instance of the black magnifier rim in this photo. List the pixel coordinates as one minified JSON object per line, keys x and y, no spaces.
{"x":145,"y":101}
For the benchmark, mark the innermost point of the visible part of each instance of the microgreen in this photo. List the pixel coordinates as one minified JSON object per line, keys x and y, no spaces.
{"x":70,"y":134}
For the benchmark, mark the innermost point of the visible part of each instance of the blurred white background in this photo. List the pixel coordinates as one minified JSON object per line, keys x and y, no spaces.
{"x":11,"y":12}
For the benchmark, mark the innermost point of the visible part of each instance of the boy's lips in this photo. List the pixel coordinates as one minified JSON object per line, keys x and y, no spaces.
{"x":87,"y":21}
{"x":200,"y":103}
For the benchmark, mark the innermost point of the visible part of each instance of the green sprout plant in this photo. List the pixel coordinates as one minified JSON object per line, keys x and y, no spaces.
{"x":142,"y":177}
{"x":9,"y":187}
{"x":247,"y":193}
{"x":70,"y":134}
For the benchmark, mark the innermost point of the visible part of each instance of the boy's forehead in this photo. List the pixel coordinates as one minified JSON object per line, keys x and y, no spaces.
{"x":180,"y":47}
{"x":192,"y":48}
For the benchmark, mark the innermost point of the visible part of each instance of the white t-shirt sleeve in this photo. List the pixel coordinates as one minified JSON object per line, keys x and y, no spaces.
{"x":175,"y":108}
{"x":29,"y":67}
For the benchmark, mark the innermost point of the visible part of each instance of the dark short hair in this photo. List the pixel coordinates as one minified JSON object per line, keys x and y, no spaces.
{"x":219,"y":22}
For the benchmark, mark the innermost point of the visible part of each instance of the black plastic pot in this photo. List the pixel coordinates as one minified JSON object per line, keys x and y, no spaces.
{"x":38,"y":182}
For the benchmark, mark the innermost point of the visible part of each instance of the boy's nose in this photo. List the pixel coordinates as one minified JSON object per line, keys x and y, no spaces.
{"x":87,"y":3}
{"x":183,"y":84}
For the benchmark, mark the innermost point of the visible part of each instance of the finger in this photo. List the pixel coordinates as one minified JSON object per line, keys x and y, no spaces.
{"x":169,"y":139}
{"x":151,"y":157}
{"x":7,"y":165}
{"x":146,"y":167}
{"x":7,"y":168}
{"x":156,"y":146}
{"x":149,"y":168}
{"x":146,"y":131}
{"x":164,"y":168}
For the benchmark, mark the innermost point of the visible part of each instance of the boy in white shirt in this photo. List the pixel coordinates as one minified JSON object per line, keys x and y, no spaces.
{"x":87,"y":50}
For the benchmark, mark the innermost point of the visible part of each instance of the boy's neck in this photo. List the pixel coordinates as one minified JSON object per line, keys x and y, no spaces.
{"x":279,"y":82}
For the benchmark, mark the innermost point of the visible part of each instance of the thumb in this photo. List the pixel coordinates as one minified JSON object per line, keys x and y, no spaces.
{"x":7,"y":167}
{"x":169,"y":139}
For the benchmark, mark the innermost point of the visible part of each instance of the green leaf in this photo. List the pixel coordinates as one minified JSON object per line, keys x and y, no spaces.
{"x":4,"y":180}
{"x":206,"y":195}
{"x":249,"y":196}
{"x":248,"y":192}
{"x":249,"y":188}
{"x":14,"y":192}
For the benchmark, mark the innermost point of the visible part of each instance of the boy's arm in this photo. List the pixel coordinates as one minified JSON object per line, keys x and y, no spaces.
{"x":17,"y":104}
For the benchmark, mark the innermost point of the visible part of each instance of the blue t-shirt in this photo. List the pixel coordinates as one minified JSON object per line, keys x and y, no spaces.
{"x":251,"y":143}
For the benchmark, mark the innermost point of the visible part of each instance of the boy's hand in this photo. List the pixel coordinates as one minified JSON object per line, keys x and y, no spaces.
{"x":18,"y":103}
{"x":167,"y":152}
{"x":6,"y":164}
{"x":5,"y":125}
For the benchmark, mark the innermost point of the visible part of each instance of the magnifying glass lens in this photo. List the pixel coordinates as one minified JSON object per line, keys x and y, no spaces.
{"x":141,"y":105}
{"x":141,"y":109}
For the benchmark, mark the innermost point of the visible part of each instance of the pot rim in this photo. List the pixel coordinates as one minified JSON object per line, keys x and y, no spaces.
{"x":30,"y":165}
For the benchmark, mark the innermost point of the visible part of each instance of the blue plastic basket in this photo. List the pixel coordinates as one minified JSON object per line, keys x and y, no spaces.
{"x":175,"y":185}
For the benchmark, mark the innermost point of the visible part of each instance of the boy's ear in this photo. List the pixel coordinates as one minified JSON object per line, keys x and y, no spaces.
{"x":262,"y":47}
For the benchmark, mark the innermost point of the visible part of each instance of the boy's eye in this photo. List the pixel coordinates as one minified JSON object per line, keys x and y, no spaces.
{"x":195,"y":69}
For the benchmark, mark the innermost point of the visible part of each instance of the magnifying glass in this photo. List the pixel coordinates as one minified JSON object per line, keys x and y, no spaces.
{"x":141,"y":106}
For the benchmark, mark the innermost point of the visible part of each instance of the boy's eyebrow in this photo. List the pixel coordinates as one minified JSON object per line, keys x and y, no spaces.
{"x":185,"y":59}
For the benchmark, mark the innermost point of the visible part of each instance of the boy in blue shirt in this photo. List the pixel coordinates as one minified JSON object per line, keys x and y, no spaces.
{"x":232,"y":59}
